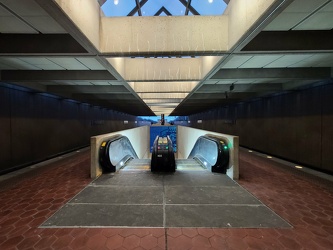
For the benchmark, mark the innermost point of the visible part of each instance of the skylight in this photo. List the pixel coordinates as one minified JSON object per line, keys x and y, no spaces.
{"x":163,"y":7}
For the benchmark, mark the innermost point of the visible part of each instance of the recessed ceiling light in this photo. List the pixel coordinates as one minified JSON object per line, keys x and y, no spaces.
{"x":299,"y":167}
{"x":269,"y":157}
{"x":250,"y":151}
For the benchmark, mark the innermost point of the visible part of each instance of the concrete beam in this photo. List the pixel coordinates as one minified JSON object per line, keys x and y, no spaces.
{"x":159,"y":69}
{"x":221,"y":88}
{"x":160,"y":87}
{"x":87,"y":89}
{"x":214,"y":97}
{"x":80,"y":20}
{"x":298,"y":40}
{"x":39,"y":44}
{"x":54,"y":75}
{"x":172,"y":34}
{"x":273,"y":73}
{"x":244,"y":15}
{"x":111,"y":97}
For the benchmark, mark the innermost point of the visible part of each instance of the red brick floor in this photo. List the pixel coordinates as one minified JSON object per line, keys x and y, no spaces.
{"x":28,"y":200}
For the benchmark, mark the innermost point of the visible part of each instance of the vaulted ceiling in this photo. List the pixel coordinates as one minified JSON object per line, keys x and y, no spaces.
{"x":177,"y":65}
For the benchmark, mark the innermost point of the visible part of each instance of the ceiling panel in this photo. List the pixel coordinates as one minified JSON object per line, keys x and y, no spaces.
{"x":90,"y":63}
{"x":24,"y":7}
{"x":225,"y":82}
{"x":16,"y":63}
{"x":245,"y":81}
{"x":323,"y":59}
{"x":100,"y":83}
{"x":260,"y":61}
{"x":12,"y":24}
{"x":236,"y":61}
{"x":68,"y":63}
{"x":45,"y":24}
{"x":285,"y":21}
{"x":41,"y":63}
{"x":82,"y":83}
{"x":294,"y":14}
{"x":322,"y":20}
{"x":288,"y":60}
{"x":5,"y":66}
{"x":305,"y":6}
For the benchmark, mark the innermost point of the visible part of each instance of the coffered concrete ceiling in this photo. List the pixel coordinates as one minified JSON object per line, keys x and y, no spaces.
{"x":176,"y":65}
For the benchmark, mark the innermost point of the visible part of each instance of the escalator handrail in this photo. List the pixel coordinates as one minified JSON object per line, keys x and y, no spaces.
{"x":223,"y":154}
{"x":104,"y":157}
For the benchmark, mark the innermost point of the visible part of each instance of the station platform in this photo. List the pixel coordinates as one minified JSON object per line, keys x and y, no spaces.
{"x":295,"y":207}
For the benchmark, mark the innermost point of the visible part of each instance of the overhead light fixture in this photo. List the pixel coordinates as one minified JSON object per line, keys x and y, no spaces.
{"x":115,"y":2}
{"x":210,"y":1}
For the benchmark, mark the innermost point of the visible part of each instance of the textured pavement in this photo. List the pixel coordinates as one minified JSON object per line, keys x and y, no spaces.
{"x":28,"y":200}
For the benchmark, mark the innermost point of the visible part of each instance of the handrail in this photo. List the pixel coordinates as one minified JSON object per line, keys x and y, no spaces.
{"x":115,"y":152}
{"x":212,"y":152}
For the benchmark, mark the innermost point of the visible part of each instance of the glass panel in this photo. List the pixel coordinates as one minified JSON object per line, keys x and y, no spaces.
{"x":175,"y":7}
{"x":150,"y":7}
{"x":209,"y":7}
{"x":205,"y":150}
{"x":119,"y":149}
{"x":118,"y":7}
{"x":153,"y":6}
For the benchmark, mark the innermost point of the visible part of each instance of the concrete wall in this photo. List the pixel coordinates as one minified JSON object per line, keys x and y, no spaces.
{"x":296,"y":126}
{"x":35,"y":127}
{"x":186,"y":138}
{"x":139,"y":138}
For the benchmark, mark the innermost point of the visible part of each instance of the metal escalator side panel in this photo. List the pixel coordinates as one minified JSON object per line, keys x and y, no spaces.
{"x":212,"y":153}
{"x":205,"y":152}
{"x":104,"y":158}
{"x":222,"y":162}
{"x":153,"y":163}
{"x":115,"y":152}
{"x":172,"y":160}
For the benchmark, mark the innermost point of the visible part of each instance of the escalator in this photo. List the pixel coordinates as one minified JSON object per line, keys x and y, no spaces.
{"x":209,"y":152}
{"x":212,"y":153}
{"x":115,"y":153}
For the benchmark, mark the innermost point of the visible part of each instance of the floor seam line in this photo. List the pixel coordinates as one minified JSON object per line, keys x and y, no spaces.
{"x":164,"y":203}
{"x":166,"y":238}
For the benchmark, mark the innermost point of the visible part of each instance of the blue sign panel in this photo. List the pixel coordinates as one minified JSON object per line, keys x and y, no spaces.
{"x":164,"y":131}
